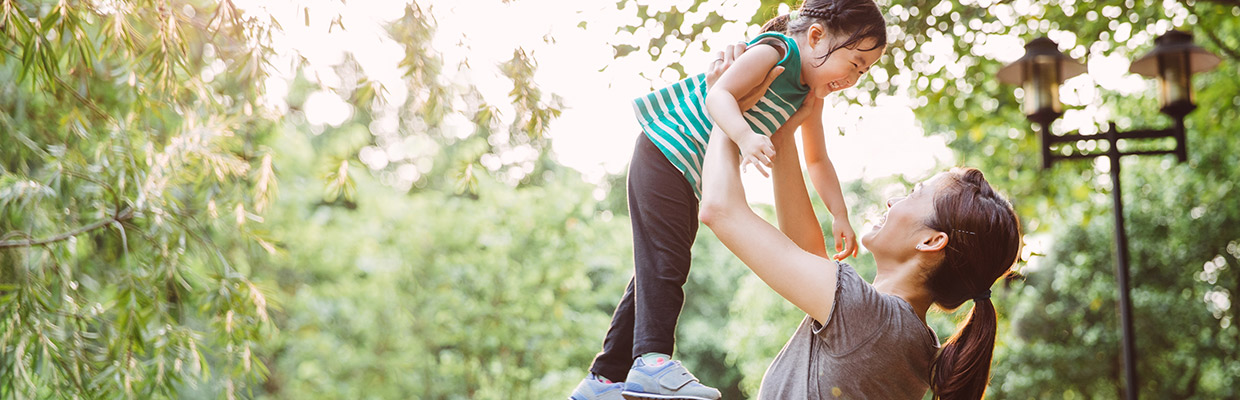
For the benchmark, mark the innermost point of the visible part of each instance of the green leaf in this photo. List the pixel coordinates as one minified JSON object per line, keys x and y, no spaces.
{"x":624,"y":50}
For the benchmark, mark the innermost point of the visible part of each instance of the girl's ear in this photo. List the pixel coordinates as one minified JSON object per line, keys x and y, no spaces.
{"x":815,"y":33}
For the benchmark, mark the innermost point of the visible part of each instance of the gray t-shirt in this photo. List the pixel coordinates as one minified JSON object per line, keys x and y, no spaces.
{"x":873,"y":346}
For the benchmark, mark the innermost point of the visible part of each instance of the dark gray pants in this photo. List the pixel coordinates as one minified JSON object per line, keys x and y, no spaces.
{"x":663,"y":210}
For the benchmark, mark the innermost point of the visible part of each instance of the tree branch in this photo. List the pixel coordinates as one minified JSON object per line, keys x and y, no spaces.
{"x":116,"y":198}
{"x":1191,"y":382}
{"x":1233,"y":53}
{"x":1235,"y":311}
{"x":123,"y":215}
{"x":1223,"y":2}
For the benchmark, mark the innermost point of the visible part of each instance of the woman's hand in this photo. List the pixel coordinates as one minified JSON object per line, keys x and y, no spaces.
{"x":812,"y":105}
{"x":724,"y":60}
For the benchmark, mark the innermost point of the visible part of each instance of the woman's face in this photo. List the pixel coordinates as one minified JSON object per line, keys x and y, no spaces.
{"x":903,"y":226}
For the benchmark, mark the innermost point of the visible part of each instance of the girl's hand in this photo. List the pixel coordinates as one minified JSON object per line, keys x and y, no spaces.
{"x":757,"y":150}
{"x":724,"y":61}
{"x":845,"y":239}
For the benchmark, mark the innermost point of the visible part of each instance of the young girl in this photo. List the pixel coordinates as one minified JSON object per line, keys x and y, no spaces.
{"x":824,"y":47}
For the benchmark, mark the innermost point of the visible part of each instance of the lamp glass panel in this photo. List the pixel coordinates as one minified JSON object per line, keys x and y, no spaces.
{"x":1173,"y":79}
{"x":1042,"y":86}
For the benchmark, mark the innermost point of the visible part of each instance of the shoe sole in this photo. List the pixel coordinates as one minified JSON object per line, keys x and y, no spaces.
{"x":575,"y":398}
{"x":651,"y":396}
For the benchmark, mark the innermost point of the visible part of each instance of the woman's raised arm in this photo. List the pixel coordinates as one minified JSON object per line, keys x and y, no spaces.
{"x":804,"y":279}
{"x":793,"y":210}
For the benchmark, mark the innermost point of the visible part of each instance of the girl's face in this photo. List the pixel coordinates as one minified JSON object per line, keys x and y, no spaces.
{"x":842,"y":69}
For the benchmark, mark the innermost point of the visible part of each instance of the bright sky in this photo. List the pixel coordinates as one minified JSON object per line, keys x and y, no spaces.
{"x":596,"y":131}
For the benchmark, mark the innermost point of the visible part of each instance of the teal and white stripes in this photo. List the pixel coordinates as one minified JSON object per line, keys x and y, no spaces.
{"x":676,"y":120}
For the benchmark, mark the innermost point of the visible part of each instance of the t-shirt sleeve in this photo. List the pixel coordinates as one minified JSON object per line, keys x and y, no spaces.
{"x":779,"y":45}
{"x":859,"y":314}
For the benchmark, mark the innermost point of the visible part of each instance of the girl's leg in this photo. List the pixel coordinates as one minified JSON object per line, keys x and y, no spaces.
{"x":617,"y":356}
{"x":663,"y":210}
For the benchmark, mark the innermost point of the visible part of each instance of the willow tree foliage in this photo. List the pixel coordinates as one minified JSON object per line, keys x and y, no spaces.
{"x":137,"y":167}
{"x":132,"y":176}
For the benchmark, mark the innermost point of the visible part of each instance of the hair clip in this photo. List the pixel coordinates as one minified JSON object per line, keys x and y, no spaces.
{"x":964,"y":231}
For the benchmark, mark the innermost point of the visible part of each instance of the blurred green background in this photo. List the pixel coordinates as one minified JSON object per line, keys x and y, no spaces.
{"x":170,"y":231}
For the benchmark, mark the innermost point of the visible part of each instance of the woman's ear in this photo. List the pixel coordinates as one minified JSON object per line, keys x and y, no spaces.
{"x":935,"y":242}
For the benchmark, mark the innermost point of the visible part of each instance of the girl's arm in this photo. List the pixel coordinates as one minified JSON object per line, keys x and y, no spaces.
{"x":726,"y":57}
{"x":827,"y":184}
{"x":807,"y":281}
{"x":748,"y":72}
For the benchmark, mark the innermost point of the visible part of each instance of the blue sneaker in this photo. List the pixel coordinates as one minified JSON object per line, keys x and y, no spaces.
{"x":592,"y":389}
{"x":667,"y":381}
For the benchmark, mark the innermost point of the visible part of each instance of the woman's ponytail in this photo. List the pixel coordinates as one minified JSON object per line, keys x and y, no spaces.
{"x":777,"y":24}
{"x":962,"y":368}
{"x":983,"y":244}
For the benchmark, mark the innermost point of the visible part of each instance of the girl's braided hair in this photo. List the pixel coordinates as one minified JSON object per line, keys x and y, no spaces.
{"x":855,"y":20}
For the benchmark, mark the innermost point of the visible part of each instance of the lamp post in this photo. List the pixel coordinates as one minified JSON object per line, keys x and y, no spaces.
{"x":1173,"y":61}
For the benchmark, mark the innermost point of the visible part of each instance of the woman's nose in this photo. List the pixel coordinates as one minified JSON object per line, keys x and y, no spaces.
{"x":892,"y":201}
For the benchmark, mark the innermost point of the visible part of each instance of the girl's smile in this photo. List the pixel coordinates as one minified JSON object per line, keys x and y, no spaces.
{"x":842,"y":69}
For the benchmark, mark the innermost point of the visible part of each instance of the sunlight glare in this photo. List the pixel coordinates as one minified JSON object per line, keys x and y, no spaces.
{"x":575,"y":61}
{"x":326,"y":108}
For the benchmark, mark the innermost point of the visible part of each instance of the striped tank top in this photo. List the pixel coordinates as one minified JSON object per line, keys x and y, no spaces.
{"x":675,"y":117}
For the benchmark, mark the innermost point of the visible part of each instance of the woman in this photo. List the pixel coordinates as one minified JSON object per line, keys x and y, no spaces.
{"x":944,"y":244}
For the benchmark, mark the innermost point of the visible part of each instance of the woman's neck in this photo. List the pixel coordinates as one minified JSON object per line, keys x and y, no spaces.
{"x":905,"y":282}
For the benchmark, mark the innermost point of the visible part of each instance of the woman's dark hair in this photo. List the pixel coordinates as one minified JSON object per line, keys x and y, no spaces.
{"x":858,"y":19}
{"x":983,"y":243}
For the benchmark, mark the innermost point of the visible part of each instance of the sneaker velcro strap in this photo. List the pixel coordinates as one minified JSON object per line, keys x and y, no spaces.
{"x":676,"y":381}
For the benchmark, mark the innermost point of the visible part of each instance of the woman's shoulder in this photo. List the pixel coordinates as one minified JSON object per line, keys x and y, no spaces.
{"x":897,"y":311}
{"x":862,"y":313}
{"x":850,"y":277}
{"x":859,"y":295}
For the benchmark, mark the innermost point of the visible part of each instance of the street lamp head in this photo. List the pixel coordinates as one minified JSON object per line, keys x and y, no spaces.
{"x":1039,"y":72}
{"x":1173,"y":61}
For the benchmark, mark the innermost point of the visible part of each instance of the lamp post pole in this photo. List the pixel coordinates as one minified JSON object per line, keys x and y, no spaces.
{"x":1121,"y":269}
{"x":1173,"y":61}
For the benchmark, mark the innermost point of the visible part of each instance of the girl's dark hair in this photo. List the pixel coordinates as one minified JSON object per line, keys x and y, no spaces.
{"x":858,"y":19}
{"x":983,"y":243}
